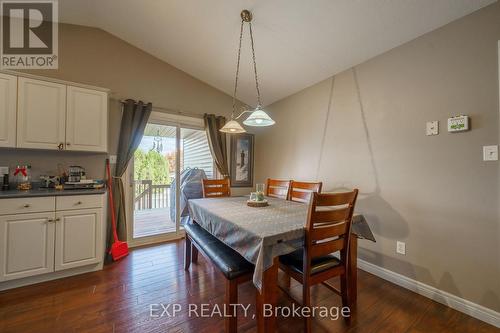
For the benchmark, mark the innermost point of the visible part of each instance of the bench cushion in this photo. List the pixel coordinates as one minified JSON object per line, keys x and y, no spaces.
{"x":227,"y":260}
{"x":295,"y":261}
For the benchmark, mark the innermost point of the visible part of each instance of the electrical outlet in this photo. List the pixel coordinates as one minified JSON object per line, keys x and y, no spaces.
{"x":112,"y":159}
{"x":401,"y":247}
{"x":490,"y":153}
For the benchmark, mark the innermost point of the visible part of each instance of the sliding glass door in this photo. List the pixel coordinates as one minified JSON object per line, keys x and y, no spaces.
{"x":172,"y":148}
{"x":154,"y":171}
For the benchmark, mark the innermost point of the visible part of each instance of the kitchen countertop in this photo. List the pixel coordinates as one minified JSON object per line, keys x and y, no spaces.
{"x":47,"y":192}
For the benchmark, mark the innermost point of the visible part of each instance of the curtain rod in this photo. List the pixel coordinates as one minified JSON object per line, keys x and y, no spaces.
{"x":173,"y":111}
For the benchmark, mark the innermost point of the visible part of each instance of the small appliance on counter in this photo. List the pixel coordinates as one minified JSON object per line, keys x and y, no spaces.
{"x":4,"y":178}
{"x":77,"y":180}
{"x":75,"y":174}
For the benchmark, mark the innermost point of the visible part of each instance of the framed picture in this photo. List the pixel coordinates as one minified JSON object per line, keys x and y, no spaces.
{"x":241,"y":174}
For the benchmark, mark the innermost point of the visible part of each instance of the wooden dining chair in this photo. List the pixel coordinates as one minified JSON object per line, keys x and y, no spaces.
{"x":216,"y":188}
{"x":212,"y":188}
{"x":301,"y":191}
{"x":327,"y":232}
{"x":276,"y":188}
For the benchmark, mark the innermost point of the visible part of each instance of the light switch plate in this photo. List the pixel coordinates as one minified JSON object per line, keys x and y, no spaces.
{"x":490,"y":153}
{"x":432,"y":127}
{"x":401,"y":247}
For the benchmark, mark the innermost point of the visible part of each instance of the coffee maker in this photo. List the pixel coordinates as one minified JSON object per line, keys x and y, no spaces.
{"x":4,"y":178}
{"x":76,"y":174}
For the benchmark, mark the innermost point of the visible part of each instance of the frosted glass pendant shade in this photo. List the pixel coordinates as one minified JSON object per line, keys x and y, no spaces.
{"x":232,"y":126}
{"x":259,"y":118}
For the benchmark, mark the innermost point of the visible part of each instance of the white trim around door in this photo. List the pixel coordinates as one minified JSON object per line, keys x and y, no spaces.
{"x":177,"y":121}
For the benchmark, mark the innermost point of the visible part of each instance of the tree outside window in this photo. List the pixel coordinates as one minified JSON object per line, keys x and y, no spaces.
{"x":152,"y":166}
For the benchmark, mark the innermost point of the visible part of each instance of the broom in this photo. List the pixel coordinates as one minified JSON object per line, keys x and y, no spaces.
{"x":118,"y":249}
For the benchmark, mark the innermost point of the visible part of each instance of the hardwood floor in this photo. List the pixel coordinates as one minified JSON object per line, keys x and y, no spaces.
{"x":118,"y":299}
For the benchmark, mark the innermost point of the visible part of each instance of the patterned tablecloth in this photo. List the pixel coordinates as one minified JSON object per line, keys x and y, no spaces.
{"x":259,"y":234}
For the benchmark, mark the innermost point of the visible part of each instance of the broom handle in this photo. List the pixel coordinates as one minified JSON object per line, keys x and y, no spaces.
{"x":111,"y":202}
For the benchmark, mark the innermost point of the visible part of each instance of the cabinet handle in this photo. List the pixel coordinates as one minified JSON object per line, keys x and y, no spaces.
{"x":26,"y":205}
{"x":78,"y":203}
{"x":68,"y":143}
{"x":50,"y":220}
{"x":58,"y":219}
{"x":60,"y":146}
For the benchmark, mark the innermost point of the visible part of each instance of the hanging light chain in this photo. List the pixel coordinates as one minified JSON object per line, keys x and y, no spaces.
{"x":237,"y":71}
{"x":259,"y":103}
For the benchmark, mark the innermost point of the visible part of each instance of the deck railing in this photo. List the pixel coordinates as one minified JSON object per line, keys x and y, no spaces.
{"x":149,"y":196}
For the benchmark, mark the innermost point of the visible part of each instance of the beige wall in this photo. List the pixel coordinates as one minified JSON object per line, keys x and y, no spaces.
{"x":95,"y":57}
{"x":434,"y":193}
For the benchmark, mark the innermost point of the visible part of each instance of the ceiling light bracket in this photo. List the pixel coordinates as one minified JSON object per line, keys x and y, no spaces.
{"x":246,"y":15}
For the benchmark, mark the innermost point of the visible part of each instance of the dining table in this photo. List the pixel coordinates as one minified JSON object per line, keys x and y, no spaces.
{"x":262,"y":234}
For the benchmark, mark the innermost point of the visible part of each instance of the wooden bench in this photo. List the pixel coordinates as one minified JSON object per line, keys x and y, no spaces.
{"x":230,"y":263}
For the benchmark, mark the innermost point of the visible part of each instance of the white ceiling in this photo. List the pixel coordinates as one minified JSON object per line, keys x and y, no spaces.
{"x":298,"y":42}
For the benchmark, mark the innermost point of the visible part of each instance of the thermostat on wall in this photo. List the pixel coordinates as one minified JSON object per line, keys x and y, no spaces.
{"x":458,"y":124}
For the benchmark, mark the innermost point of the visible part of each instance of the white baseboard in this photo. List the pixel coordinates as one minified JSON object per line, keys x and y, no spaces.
{"x":472,"y":309}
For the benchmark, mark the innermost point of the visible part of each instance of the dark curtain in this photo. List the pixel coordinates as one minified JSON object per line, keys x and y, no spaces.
{"x":217,"y":141}
{"x":134,"y":120}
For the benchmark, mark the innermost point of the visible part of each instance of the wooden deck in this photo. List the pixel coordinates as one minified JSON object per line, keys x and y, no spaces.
{"x":150,"y":222}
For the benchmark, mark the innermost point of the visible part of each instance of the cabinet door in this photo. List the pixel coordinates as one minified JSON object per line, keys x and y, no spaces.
{"x":41,"y":116}
{"x":78,"y":238}
{"x":87,"y":120}
{"x":26,"y":245}
{"x":8,"y":107}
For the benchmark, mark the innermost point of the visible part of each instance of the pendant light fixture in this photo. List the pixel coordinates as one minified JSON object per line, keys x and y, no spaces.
{"x":258,"y":117}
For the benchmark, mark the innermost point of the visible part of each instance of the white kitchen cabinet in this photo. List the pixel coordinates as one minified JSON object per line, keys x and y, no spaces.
{"x":87,"y":119}
{"x":44,"y":238}
{"x":41,"y":114}
{"x":78,"y":238}
{"x":8,"y":107}
{"x":27,"y":245}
